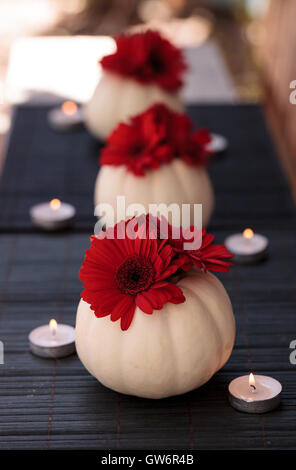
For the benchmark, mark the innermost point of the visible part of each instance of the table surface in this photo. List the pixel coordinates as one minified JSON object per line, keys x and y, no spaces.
{"x":56,"y":404}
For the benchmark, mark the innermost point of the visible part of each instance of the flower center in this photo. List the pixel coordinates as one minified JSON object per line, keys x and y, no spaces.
{"x":134,"y":275}
{"x":137,"y":148}
{"x":156,"y":62}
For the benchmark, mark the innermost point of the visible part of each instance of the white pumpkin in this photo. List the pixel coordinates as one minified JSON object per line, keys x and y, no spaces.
{"x":117,"y":98}
{"x":175,"y":182}
{"x":170,"y":352}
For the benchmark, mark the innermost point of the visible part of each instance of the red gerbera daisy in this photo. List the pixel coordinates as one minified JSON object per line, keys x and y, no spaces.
{"x":153,"y":138}
{"x":148,"y":58}
{"x":207,"y":257}
{"x":121,"y":274}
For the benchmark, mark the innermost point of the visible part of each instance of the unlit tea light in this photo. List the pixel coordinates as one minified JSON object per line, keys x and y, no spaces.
{"x":255,"y":393}
{"x":53,"y":215}
{"x":218,"y":143}
{"x":53,"y":340}
{"x":66,"y":116}
{"x":248,"y":247}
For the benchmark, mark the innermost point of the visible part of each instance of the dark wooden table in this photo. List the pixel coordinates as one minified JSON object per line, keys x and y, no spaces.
{"x":47,"y":404}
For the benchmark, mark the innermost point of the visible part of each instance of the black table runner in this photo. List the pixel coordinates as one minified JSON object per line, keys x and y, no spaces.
{"x":47,"y":404}
{"x":43,"y":164}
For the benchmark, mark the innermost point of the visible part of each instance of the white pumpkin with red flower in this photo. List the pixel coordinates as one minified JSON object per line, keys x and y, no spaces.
{"x":152,"y":321}
{"x":145,"y":69}
{"x":156,"y":158}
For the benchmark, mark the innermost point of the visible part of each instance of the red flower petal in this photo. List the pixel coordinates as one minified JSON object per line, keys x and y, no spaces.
{"x":122,"y":307}
{"x":127,"y":317}
{"x":155,"y":298}
{"x":143,"y":303}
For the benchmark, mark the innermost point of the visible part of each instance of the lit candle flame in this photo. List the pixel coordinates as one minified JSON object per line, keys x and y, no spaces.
{"x":55,"y":204}
{"x":69,"y":108}
{"x":248,"y":233}
{"x":53,"y":326}
{"x":252,"y":382}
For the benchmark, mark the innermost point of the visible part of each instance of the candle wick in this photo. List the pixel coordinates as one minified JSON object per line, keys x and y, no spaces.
{"x":253,"y":388}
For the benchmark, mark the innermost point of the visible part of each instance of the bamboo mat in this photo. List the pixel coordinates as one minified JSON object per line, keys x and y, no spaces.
{"x":47,"y":404}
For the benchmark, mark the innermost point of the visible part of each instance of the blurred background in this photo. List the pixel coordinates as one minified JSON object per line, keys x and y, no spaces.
{"x":242,"y":50}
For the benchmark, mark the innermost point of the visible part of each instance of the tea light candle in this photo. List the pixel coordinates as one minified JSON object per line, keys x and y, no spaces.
{"x":53,"y":340}
{"x":218,"y":143}
{"x":66,"y":116}
{"x":248,"y":247}
{"x":53,"y":215}
{"x":254,"y":393}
